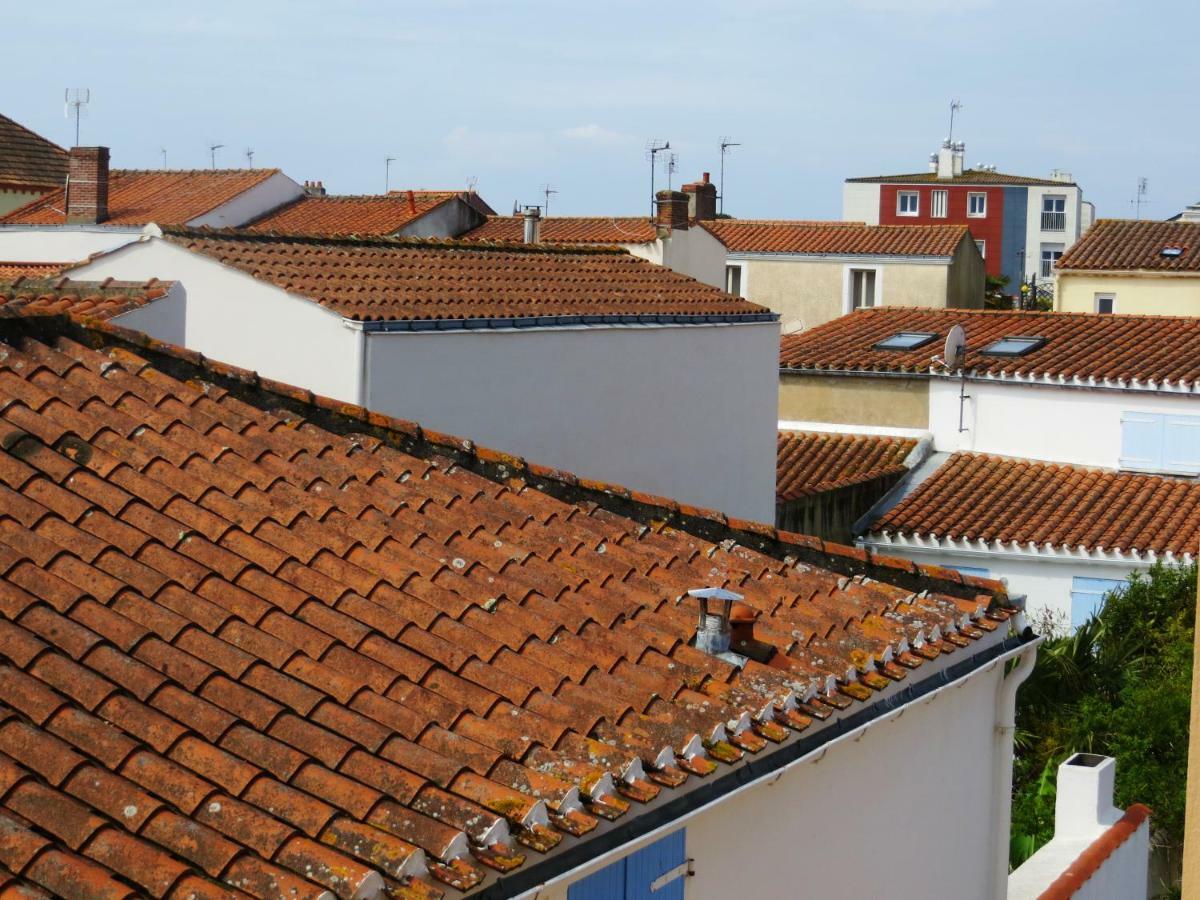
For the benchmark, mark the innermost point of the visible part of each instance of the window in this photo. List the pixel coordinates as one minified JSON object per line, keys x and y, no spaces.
{"x":1106,"y":303}
{"x":1171,"y":252}
{"x":733,"y":280}
{"x":906,"y":340}
{"x":656,"y":872}
{"x":908,"y":203}
{"x":1013,"y":346}
{"x":1054,"y":215}
{"x":862,"y":288}
{"x":1087,"y":597}
{"x":1050,"y":255}
{"x":982,"y":245}
{"x":976,"y":205}
{"x":1157,"y":442}
{"x":938,"y":207}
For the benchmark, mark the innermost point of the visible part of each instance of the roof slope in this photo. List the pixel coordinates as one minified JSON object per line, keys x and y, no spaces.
{"x":29,"y":160}
{"x":969,"y":176}
{"x":417,"y":278}
{"x":569,"y":230}
{"x":1135,"y":244}
{"x":809,"y":462}
{"x":254,"y":640}
{"x":10,"y":270}
{"x":366,"y":214}
{"x":1078,"y":345}
{"x":992,"y":498}
{"x":93,"y":299}
{"x":137,"y":197}
{"x":836,"y":238}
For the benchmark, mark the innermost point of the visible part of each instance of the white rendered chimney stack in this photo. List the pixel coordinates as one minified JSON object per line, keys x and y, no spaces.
{"x":1084,"y":796}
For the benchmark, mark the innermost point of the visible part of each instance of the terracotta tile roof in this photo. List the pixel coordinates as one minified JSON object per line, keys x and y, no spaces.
{"x":837,"y":238}
{"x":1162,"y":349}
{"x":992,"y":498}
{"x":11,"y":270}
{"x":368,"y":214}
{"x":809,"y":462}
{"x":569,"y":230}
{"x":137,"y":197}
{"x":29,"y":160}
{"x":251,"y":639}
{"x":91,"y":299}
{"x":1088,"y":863}
{"x":1127,"y":244}
{"x":424,"y":279}
{"x":969,"y":176}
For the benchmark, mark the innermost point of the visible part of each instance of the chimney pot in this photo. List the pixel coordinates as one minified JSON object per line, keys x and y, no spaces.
{"x":314,"y":189}
{"x":673,"y":208}
{"x":87,"y":185}
{"x":533,"y":219}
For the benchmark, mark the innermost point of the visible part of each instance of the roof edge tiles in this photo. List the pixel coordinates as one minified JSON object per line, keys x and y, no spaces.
{"x":1089,"y":862}
{"x":969,"y":176}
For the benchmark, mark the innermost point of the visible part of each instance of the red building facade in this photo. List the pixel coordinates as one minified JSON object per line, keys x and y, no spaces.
{"x":987,"y":228}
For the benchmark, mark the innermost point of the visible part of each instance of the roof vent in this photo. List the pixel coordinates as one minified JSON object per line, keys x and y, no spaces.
{"x":533,"y":220}
{"x":713,"y":632}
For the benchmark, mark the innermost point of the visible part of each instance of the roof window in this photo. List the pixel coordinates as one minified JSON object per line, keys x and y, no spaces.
{"x":1014,"y":345}
{"x":1172,"y":252}
{"x":906,"y":340}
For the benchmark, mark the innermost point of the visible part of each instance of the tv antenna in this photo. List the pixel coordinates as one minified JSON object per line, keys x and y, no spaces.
{"x":653,"y":148}
{"x":212,"y":154}
{"x":1139,"y":198}
{"x":547,"y":192}
{"x":75,"y":103}
{"x":249,"y":157}
{"x":387,"y":173}
{"x":670,"y":164}
{"x":727,"y":144}
{"x":163,"y":151}
{"x":955,"y":106}
{"x":471,"y":182}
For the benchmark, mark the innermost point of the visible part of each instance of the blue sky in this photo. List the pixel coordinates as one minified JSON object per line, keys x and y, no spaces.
{"x":518,"y":94}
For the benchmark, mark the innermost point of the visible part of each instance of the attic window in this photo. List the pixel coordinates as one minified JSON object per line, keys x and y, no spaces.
{"x":1013,"y":346}
{"x":906,"y":340}
{"x":1172,"y":252}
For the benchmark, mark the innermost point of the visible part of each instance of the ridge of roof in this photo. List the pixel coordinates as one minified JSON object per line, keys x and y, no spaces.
{"x":968,"y":176}
{"x":836,"y":238}
{"x":26,"y":155}
{"x":86,"y":299}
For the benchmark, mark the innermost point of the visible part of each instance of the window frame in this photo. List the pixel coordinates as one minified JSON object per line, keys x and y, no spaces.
{"x":1036,"y":342}
{"x":981,"y":245}
{"x":972,"y":196}
{"x":901,"y":196}
{"x":936,"y":195}
{"x":1099,"y":297}
{"x":848,"y":286}
{"x":1044,"y":270}
{"x":742,"y":270}
{"x":927,"y":337}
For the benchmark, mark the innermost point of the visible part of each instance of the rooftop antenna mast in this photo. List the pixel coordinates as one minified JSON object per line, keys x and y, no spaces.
{"x":727,"y":144}
{"x":955,"y":106}
{"x":76,"y":101}
{"x":163,"y":151}
{"x":670,"y":164}
{"x":387,"y":173}
{"x":212,"y":154}
{"x":653,"y":148}
{"x":249,"y":157}
{"x":1140,"y":198}
{"x":547,"y":192}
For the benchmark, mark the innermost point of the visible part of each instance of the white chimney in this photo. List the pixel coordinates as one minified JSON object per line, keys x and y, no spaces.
{"x":945,"y":161}
{"x":1083,"y":798}
{"x":960,"y":150}
{"x":533,"y":219}
{"x":933,"y":160}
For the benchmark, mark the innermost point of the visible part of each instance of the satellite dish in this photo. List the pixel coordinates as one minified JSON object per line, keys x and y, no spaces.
{"x":955,"y":349}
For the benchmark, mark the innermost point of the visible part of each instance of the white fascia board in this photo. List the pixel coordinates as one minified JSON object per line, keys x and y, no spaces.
{"x":886,"y":542}
{"x":861,"y":259}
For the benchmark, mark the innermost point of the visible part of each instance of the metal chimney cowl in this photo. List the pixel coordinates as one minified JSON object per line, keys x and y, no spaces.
{"x":533,"y":217}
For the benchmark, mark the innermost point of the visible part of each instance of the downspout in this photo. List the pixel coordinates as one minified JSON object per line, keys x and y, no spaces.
{"x":1006,"y":725}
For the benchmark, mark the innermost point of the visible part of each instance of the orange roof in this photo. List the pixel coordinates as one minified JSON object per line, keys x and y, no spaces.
{"x":809,"y":462}
{"x":991,"y":498}
{"x":93,"y":299}
{"x":253,"y":640}
{"x":367,"y":215}
{"x":1070,"y":883}
{"x":569,"y":230}
{"x":28,"y":160}
{"x":1124,"y":244}
{"x":138,"y":197}
{"x":11,"y":270}
{"x":402,"y":279}
{"x":969,"y":176}
{"x":1083,"y":346}
{"x":836,"y":238}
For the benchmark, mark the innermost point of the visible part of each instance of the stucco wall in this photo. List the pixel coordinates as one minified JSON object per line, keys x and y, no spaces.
{"x":1135,"y":294}
{"x":10,"y":200}
{"x":1034,"y":236}
{"x":687,"y":412}
{"x":965,"y":278}
{"x":165,"y":318}
{"x":893,"y":402}
{"x":250,"y":204}
{"x":695,"y":252}
{"x":59,"y":243}
{"x":446,"y":221}
{"x":860,"y":202}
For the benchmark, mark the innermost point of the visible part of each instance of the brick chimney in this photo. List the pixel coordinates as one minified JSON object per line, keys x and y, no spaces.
{"x":672,"y":210}
{"x":702,"y":199}
{"x":314,"y":189}
{"x":87,"y":185}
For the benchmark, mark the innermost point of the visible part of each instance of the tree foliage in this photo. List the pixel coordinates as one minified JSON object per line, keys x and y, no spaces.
{"x":1120,"y":686}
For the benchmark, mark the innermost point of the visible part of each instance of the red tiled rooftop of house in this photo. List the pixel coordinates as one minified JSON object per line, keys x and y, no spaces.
{"x":12,"y":270}
{"x":836,"y":238}
{"x":93,"y":299}
{"x":978,"y":497}
{"x":1124,"y":244}
{"x":1085,"y":346}
{"x":414,"y":278}
{"x":256,"y":641}
{"x":367,"y":215}
{"x":809,"y":462}
{"x":28,"y":160}
{"x":1070,"y":883}
{"x":137,"y":197}
{"x":969,"y":176}
{"x":569,"y":230}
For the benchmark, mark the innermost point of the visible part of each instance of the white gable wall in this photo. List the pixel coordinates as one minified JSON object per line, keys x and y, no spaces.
{"x":165,"y":318}
{"x":61,"y":243}
{"x":860,"y":202}
{"x":252,"y":203}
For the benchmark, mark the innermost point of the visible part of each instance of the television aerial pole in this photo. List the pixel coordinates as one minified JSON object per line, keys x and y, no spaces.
{"x":670,"y":164}
{"x":1139,"y":198}
{"x":387,"y":173}
{"x":727,"y":144}
{"x":547,"y":192}
{"x":955,"y":106}
{"x":212,"y":154}
{"x":653,"y":148}
{"x":249,"y":157}
{"x":76,"y":101}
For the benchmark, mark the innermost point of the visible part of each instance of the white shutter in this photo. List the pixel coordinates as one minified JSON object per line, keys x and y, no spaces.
{"x":1142,"y":441}
{"x":1181,"y":445}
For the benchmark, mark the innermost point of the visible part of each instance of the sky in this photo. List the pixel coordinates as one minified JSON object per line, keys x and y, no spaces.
{"x":514,"y":95}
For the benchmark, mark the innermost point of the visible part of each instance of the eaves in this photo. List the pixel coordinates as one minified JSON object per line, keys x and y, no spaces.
{"x":872,"y":258}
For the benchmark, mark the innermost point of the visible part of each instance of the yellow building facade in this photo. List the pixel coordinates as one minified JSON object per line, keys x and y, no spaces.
{"x":1129,"y":293}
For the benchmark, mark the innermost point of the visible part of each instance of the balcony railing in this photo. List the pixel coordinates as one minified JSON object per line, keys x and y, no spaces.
{"x":1054,"y":221}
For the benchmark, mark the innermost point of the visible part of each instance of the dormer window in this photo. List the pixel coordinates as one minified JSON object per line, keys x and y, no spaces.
{"x":1013,"y":346}
{"x":906,"y":340}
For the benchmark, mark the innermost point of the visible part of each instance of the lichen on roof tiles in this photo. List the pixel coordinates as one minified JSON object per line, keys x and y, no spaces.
{"x":809,"y":462}
{"x":92,"y":299}
{"x":343,"y":215}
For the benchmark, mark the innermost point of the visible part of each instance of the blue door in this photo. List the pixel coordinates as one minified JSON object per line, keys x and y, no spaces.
{"x":644,"y":875}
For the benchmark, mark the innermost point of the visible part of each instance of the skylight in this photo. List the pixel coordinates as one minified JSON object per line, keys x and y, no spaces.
{"x":906,"y":340}
{"x":1013,"y":346}
{"x":1172,"y":251}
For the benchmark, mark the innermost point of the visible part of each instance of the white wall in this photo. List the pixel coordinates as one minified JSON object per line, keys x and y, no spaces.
{"x":688,"y":412}
{"x":237,"y":319}
{"x":61,"y":243}
{"x":694,"y":251}
{"x":1069,"y":425}
{"x":165,"y":318}
{"x":860,"y":202}
{"x":252,"y":203}
{"x":445,"y":221}
{"x":1035,"y":237}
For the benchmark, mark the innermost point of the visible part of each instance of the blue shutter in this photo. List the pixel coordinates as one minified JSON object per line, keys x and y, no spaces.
{"x":1142,"y":441}
{"x":1181,"y":444}
{"x":631,"y":877}
{"x":606,"y":884}
{"x":1087,"y":597}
